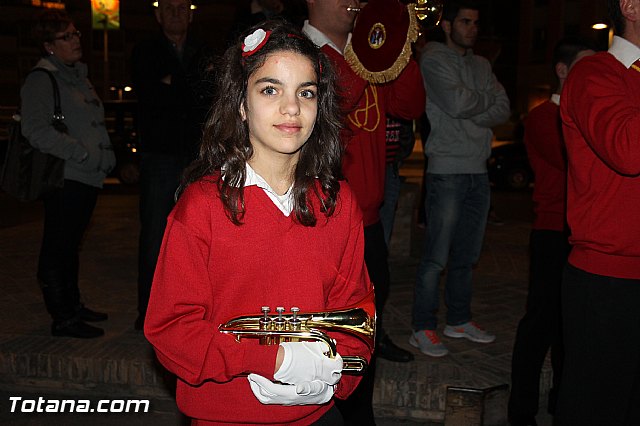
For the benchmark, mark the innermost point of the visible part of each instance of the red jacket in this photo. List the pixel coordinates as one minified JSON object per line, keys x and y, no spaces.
{"x":545,"y":149}
{"x":367,"y":104}
{"x":601,"y":123}
{"x":210,"y":271}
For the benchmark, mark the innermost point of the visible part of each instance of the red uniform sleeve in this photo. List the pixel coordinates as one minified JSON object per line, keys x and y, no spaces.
{"x":178,"y":322}
{"x":351,"y":286}
{"x":543,"y":136}
{"x":597,"y":100}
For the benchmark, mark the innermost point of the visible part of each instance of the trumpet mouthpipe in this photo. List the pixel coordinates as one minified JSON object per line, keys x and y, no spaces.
{"x":352,"y":365}
{"x":353,"y":9}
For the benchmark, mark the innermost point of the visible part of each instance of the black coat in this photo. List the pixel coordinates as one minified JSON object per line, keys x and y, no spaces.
{"x":171,"y":116}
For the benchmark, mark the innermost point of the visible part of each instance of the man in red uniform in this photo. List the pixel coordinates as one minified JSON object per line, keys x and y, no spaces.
{"x":364,"y":164}
{"x":601,"y":283}
{"x":541,"y":326}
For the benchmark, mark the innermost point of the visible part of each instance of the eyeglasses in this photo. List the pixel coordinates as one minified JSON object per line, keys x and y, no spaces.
{"x":68,"y":36}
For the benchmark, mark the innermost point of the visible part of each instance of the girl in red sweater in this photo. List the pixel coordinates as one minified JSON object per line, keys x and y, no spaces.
{"x":263,"y":220}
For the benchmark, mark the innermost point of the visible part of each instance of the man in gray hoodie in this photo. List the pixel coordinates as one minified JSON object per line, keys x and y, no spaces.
{"x":465,"y":101}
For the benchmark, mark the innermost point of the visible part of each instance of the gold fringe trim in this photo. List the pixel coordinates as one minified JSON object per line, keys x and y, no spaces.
{"x":394,"y":71}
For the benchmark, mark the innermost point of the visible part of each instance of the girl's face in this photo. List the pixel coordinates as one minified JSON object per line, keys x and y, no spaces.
{"x":281,"y":106}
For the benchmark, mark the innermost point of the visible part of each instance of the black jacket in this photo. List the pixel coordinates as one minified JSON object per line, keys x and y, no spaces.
{"x":171,"y":116}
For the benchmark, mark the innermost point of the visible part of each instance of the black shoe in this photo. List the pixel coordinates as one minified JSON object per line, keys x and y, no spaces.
{"x":86,"y":314}
{"x":388,"y":350}
{"x":75,"y":328}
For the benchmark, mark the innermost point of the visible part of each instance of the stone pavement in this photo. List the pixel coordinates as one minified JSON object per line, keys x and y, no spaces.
{"x":121,"y":364}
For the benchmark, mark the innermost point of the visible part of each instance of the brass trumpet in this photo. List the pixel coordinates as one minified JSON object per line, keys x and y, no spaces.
{"x":358,"y":320}
{"x":428,"y":13}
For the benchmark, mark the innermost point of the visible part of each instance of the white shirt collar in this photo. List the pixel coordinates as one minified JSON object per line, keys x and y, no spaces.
{"x":555,"y":98}
{"x":284,"y":202}
{"x":319,"y":38}
{"x":624,"y":51}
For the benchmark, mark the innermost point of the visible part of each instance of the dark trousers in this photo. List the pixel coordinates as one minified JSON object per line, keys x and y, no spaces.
{"x":330,"y":418}
{"x":358,"y":408}
{"x":67,"y":213}
{"x":541,"y":327}
{"x":159,"y":179}
{"x":601,"y":375}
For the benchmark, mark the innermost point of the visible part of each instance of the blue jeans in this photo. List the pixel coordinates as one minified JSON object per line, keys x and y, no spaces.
{"x":457,"y":206}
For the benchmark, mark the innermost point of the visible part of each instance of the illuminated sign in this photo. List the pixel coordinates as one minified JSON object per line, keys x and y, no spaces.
{"x":105,"y":13}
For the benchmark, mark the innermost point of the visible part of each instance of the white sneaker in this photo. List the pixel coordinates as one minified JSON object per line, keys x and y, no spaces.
{"x":428,"y":342}
{"x":469,"y":330}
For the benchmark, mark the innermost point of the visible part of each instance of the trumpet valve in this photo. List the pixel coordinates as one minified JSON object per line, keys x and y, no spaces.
{"x":265,"y":320}
{"x":280,"y":323}
{"x":265,"y":323}
{"x":295,"y":322}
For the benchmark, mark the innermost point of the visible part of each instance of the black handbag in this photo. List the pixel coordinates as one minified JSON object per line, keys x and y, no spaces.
{"x":28,"y":173}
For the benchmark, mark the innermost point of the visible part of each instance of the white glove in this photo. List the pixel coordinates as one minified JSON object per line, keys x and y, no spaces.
{"x":305,"y":393}
{"x":306,"y":361}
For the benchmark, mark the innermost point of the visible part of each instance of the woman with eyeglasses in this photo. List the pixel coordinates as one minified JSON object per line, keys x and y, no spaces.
{"x":88,"y":155}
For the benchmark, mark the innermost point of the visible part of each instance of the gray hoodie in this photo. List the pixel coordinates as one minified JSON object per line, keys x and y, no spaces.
{"x":464,"y":101}
{"x":86,"y":148}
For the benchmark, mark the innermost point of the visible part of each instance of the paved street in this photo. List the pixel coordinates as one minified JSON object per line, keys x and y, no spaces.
{"x":121,"y":363}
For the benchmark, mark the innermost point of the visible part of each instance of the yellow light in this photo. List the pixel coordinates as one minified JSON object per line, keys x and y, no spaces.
{"x":193,"y":6}
{"x":48,"y":4}
{"x":127,"y":88}
{"x":599,"y":26}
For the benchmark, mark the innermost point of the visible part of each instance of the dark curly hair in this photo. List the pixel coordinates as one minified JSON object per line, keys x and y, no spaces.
{"x":226,"y":146}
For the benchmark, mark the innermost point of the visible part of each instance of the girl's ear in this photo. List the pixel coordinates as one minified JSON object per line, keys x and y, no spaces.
{"x":630,"y":10}
{"x":243,"y":114}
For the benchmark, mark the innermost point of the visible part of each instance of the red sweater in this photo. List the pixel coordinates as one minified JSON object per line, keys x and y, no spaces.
{"x":601,"y":123}
{"x":210,"y":271}
{"x":367,"y":104}
{"x":545,"y":149}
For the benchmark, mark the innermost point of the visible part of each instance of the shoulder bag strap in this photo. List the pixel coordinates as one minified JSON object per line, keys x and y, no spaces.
{"x":57,"y":110}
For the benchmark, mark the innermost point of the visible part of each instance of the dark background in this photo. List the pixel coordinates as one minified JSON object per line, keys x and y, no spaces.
{"x":516,"y":35}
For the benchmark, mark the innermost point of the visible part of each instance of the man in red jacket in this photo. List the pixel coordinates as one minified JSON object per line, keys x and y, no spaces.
{"x":541,"y":328}
{"x":364,"y":164}
{"x":601,"y":284}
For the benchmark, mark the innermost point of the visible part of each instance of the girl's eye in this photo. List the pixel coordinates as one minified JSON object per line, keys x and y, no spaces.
{"x":269,"y":91}
{"x":308,"y":94}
